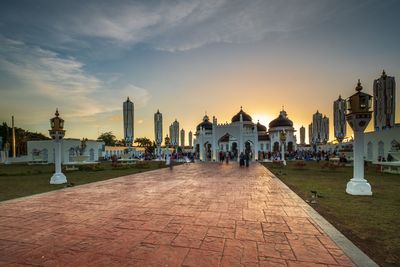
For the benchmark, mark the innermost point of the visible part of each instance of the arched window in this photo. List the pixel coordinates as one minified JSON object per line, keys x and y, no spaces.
{"x":369,"y":150}
{"x":381,"y":150}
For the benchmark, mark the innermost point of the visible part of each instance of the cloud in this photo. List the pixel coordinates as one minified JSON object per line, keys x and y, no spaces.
{"x":169,"y":25}
{"x":60,"y":81}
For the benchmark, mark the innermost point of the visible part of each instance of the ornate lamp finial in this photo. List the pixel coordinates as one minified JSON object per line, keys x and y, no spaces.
{"x":384,"y":74}
{"x":359,"y":86}
{"x":57,"y":114}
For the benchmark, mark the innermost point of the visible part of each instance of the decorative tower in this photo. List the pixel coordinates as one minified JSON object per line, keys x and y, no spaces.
{"x":339,"y":118}
{"x":358,"y":117}
{"x":57,"y":132}
{"x":182,"y":138}
{"x":310,"y":134}
{"x":302,"y":135}
{"x":320,"y":129}
{"x":128,"y":110}
{"x":174,"y":133}
{"x":158,"y":131}
{"x":384,"y":102}
{"x":190,"y":139}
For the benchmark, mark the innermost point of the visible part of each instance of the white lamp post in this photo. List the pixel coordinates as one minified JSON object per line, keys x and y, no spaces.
{"x":167,"y":156}
{"x":358,"y":117}
{"x":57,"y":132}
{"x":282,"y":137}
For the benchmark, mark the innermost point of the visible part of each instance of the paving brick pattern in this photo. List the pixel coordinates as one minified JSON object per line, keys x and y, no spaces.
{"x":195,"y":215}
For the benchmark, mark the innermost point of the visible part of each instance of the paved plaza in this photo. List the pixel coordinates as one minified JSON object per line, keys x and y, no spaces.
{"x":195,"y":215}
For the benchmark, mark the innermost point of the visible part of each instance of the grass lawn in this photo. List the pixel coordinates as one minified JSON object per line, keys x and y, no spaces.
{"x":18,"y":180}
{"x":372,"y":223}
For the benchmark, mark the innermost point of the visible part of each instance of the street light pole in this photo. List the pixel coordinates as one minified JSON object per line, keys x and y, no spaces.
{"x":282,"y":136}
{"x":57,"y":132}
{"x":358,"y":117}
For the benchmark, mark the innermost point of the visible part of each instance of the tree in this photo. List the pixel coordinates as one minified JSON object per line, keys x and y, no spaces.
{"x":21,"y":138}
{"x":108,"y":138}
{"x":146,"y":143}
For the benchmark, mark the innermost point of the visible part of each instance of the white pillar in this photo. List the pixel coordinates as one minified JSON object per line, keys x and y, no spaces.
{"x":58,"y":177}
{"x":358,"y":185}
{"x":214,"y":140}
{"x":201,"y":144}
{"x":283,"y":153}
{"x":255,"y":143}
{"x":241,"y":145}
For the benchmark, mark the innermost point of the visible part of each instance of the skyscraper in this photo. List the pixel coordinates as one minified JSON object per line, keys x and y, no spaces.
{"x":320,"y":129}
{"x":174,"y":133}
{"x":182,"y":138}
{"x":302,"y":135}
{"x":339,"y":118}
{"x":190,"y":139}
{"x":325,"y":130}
{"x":128,"y":116}
{"x":384,"y":102}
{"x":310,"y":134}
{"x":158,"y":130}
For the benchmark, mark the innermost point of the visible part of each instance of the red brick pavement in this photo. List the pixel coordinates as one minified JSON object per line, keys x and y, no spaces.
{"x":195,"y":215}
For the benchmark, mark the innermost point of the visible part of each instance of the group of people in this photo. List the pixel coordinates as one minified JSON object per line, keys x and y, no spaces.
{"x":225,"y":156}
{"x":244,"y":159}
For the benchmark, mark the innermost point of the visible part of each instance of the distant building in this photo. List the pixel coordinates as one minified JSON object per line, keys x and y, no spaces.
{"x":190,"y":139}
{"x":302,"y":135}
{"x":320,"y":129}
{"x":339,"y":118}
{"x":174,"y":133}
{"x":310,"y":134}
{"x":128,"y":114}
{"x":158,"y":130}
{"x":42,"y":151}
{"x":384,"y":102}
{"x":182,"y":138}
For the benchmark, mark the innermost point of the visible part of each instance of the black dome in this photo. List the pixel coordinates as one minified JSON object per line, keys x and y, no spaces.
{"x":261,"y":128}
{"x":245,"y":116}
{"x":281,"y":121}
{"x":206,"y":124}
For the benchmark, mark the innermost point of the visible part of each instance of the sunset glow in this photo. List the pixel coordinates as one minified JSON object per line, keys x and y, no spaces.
{"x":188,"y":58}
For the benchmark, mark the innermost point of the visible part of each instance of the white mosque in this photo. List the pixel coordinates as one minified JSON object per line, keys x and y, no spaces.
{"x":243,"y":135}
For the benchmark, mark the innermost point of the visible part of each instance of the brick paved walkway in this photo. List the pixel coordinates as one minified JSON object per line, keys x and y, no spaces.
{"x":196,"y":215}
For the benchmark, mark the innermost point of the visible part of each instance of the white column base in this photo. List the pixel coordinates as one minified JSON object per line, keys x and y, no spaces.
{"x":358,"y":187}
{"x":58,"y":178}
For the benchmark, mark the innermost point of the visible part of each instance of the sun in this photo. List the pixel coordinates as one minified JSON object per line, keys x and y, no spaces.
{"x":264,"y":119}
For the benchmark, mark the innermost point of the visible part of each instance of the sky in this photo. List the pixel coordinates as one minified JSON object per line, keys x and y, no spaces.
{"x":187,"y":58}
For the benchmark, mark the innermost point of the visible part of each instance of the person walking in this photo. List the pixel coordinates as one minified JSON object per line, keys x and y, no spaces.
{"x":241,"y":159}
{"x":247,"y":159}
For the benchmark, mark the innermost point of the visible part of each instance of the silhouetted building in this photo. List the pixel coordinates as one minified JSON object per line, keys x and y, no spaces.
{"x":384,"y":102}
{"x":320,"y":129}
{"x":174,"y":133}
{"x":339,"y":118}
{"x":128,"y":116}
{"x":190,"y":139}
{"x":302,"y":135}
{"x":182,"y":138}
